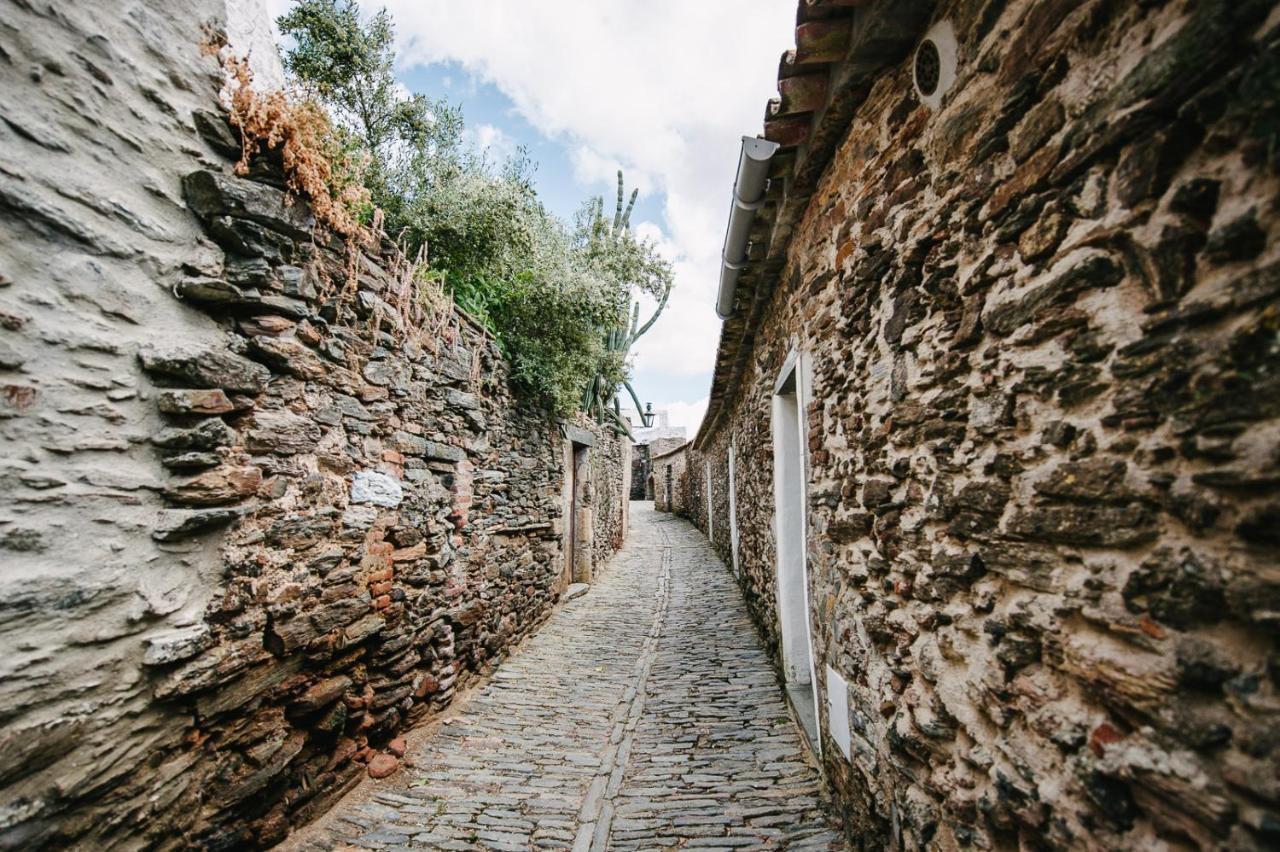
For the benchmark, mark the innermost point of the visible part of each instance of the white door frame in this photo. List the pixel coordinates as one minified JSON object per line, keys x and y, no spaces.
{"x":711,"y":530}
{"x":733,"y":506}
{"x":790,"y":486}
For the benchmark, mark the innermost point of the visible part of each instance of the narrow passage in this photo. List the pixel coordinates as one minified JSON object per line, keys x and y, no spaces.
{"x":643,"y":715}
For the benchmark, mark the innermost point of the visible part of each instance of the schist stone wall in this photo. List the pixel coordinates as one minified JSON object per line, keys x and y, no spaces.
{"x":670,"y":484}
{"x":639,"y":471}
{"x":609,"y":499}
{"x":255,"y":523}
{"x":1038,"y":324}
{"x":642,"y":482}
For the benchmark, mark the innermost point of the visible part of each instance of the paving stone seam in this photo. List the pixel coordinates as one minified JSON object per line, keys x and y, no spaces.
{"x":651,"y":695}
{"x":596,"y":816}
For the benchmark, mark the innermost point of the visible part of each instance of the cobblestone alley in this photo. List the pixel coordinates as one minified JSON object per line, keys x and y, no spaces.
{"x":643,"y":715}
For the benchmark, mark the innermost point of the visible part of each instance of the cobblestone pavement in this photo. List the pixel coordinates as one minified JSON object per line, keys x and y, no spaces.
{"x":643,"y":715}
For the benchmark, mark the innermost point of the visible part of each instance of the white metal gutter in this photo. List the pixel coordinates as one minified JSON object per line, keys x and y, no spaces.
{"x":748,"y":194}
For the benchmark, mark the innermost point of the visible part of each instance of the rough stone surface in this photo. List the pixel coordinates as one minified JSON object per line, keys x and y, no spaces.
{"x":1037,"y":329}
{"x":206,"y":639}
{"x":643,"y":717}
{"x":670,"y":485}
{"x":382,"y":765}
{"x":376,"y":488}
{"x":642,"y":476}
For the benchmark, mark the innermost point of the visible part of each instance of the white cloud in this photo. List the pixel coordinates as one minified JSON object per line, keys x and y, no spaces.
{"x":491,"y":139}
{"x":686,"y":414}
{"x":663,"y":88}
{"x":590,"y":167}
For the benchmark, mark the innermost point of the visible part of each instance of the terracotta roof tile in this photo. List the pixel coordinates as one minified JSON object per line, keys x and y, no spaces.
{"x":841,"y":45}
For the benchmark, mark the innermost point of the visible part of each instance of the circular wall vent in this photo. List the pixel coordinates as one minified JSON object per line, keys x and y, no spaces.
{"x":928,"y":67}
{"x":933,"y":69}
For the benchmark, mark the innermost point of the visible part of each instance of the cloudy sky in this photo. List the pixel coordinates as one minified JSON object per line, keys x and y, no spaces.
{"x":664,"y":89}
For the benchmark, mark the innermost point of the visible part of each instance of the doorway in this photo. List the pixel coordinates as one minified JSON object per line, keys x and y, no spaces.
{"x":578,"y":529}
{"x":789,"y":487}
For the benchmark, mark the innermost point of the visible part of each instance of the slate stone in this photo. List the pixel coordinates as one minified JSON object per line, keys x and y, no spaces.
{"x":279,"y":432}
{"x":368,"y":626}
{"x":212,"y":195}
{"x":218,"y":294}
{"x":32,"y":747}
{"x":1240,"y":239}
{"x":174,"y":646}
{"x":1093,"y":270}
{"x":193,"y":460}
{"x":289,"y":356}
{"x":214,"y":128}
{"x":320,"y":695}
{"x":210,"y":291}
{"x":1099,"y":480}
{"x":195,"y":401}
{"x":204,"y":367}
{"x":217,"y":486}
{"x":1086,"y":526}
{"x":436,"y":451}
{"x":1179,"y":589}
{"x":178,"y":525}
{"x":206,"y":435}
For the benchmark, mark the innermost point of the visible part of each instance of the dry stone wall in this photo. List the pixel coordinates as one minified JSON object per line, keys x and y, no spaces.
{"x":1041,"y":328}
{"x":670,"y":482}
{"x":255,"y":523}
{"x":610,"y":494}
{"x":642,"y":482}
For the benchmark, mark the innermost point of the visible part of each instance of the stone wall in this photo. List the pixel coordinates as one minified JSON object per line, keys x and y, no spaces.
{"x":1040,"y":330}
{"x":610,"y":493}
{"x":670,"y":467}
{"x":640,"y":470}
{"x":257,"y":522}
{"x":642,"y":482}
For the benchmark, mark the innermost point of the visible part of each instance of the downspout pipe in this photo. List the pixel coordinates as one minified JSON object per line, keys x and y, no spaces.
{"x":748,"y":195}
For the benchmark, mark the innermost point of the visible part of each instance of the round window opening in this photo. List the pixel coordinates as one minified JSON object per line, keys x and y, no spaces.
{"x":928,"y":68}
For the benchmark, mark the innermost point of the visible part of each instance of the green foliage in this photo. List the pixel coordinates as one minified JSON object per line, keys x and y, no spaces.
{"x":559,"y":301}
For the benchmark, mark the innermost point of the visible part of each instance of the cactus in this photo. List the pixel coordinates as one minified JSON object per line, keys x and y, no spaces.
{"x":613,"y":239}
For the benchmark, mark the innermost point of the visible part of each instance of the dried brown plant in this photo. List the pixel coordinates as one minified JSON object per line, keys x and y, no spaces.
{"x":315,"y":165}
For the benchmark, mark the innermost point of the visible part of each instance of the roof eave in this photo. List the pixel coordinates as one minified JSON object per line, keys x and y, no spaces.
{"x":841,"y":47}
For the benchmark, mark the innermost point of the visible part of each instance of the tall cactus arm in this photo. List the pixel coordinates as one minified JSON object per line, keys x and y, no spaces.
{"x":617,"y":210}
{"x":662,"y":303}
{"x":634,"y":397}
{"x":619,"y":425}
{"x":626,"y":217}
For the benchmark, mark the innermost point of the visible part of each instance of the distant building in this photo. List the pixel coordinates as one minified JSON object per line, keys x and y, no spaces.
{"x":661,"y":427}
{"x":651,"y":441}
